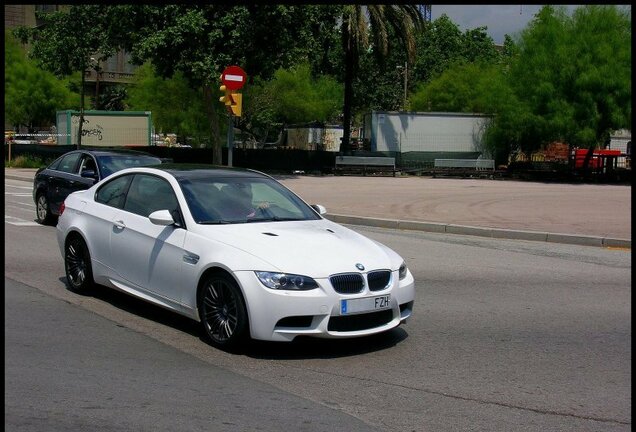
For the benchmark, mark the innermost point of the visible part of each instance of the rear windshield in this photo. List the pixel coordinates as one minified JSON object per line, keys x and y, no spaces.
{"x":113,"y":163}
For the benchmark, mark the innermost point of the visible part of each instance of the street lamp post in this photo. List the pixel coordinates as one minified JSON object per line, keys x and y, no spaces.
{"x":406,"y":74}
{"x":404,"y":70}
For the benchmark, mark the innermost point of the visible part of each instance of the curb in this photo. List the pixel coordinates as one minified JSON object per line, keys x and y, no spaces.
{"x":442,"y":228}
{"x":498,"y":233}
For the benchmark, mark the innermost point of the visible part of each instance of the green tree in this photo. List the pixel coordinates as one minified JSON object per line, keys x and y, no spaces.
{"x":201,"y":40}
{"x":567,"y":78}
{"x":68,"y":38}
{"x":175,"y":106}
{"x":301,"y":98}
{"x":575,"y":74}
{"x":439,"y":45}
{"x":292,"y":96}
{"x":360,"y":24}
{"x":461,"y":88}
{"x":31,"y":96}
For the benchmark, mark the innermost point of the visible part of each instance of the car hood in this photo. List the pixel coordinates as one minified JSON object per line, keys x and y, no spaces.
{"x":312,"y":248}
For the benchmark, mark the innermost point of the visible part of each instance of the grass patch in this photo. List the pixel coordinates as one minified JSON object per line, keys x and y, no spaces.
{"x":25,"y":161}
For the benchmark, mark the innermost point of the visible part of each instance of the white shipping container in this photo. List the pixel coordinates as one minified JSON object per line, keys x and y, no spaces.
{"x":106,"y":128}
{"x":425,"y":132}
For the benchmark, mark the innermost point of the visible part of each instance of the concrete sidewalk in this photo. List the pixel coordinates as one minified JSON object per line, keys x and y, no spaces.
{"x":584,"y":214}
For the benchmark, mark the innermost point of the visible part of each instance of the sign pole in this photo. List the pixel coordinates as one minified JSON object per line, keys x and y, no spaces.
{"x":230,"y":138}
{"x":233,"y":78}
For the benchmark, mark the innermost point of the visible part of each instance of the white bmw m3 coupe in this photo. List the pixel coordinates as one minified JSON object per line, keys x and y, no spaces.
{"x":233,"y":249}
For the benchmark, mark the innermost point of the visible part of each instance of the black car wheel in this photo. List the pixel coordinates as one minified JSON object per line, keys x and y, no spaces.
{"x":77,"y":263}
{"x":43,"y":213}
{"x":222,"y":311}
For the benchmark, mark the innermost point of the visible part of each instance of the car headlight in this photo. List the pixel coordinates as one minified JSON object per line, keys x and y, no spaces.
{"x":402,"y":271}
{"x":284,"y":281}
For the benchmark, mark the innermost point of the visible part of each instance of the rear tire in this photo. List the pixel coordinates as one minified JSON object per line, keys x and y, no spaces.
{"x":43,"y":213}
{"x":222,"y":311}
{"x":77,"y":263}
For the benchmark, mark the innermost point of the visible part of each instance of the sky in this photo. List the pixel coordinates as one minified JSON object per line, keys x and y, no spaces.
{"x":500,"y":19}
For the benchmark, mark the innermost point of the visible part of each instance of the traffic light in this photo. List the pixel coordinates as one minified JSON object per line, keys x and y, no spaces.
{"x":237,"y":104}
{"x":233,"y":101}
{"x":227,"y":99}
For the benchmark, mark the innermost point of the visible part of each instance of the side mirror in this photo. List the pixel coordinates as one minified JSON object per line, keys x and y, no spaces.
{"x":161,"y":217}
{"x":320,"y":209}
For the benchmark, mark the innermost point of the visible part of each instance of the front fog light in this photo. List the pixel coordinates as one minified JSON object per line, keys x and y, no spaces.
{"x":284,"y":281}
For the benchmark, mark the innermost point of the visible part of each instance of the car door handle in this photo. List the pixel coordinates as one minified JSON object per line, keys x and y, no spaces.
{"x":120,"y":224}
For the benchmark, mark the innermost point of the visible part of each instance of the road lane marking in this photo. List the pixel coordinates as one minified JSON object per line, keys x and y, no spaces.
{"x":19,"y":187}
{"x":21,"y":206}
{"x":12,"y":220}
{"x":17,"y":194}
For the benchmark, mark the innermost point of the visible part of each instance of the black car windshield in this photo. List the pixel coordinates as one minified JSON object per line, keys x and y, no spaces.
{"x":242,"y":200}
{"x":109,"y":164}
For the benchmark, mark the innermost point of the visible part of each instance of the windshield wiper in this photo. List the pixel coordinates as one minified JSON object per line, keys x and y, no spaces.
{"x":274,"y":219}
{"x":215,"y":222}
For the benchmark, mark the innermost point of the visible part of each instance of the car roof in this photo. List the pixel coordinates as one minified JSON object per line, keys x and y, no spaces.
{"x":183,"y":171}
{"x":113,"y":152}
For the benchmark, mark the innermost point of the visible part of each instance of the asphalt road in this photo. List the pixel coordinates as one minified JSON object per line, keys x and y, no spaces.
{"x":506,"y":335}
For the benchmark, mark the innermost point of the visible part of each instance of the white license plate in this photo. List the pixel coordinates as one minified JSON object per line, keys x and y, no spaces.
{"x":365,"y":304}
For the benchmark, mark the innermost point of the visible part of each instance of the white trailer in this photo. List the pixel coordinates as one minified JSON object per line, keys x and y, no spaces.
{"x":402,"y":132}
{"x":106,"y":128}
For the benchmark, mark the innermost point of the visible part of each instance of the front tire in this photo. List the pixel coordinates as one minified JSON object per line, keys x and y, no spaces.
{"x":43,"y":213}
{"x":77,"y":263}
{"x":222,"y":312}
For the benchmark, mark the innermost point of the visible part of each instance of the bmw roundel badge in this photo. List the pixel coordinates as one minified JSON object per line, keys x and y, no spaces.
{"x":359,"y":266}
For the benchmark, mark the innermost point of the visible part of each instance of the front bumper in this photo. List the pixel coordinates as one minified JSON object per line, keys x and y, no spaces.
{"x":278,"y":315}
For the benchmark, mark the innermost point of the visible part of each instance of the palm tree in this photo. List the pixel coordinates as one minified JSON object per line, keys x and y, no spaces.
{"x":361,"y":23}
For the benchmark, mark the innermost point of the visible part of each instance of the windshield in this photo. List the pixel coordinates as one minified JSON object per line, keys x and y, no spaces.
{"x":242,"y":200}
{"x":112,"y":163}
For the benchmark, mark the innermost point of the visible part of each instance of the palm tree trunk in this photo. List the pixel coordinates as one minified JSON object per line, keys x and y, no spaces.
{"x":348,"y":89}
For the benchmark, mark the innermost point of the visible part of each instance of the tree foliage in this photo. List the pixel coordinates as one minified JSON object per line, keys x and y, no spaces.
{"x":175,"y":106}
{"x":567,"y":78}
{"x":300,"y":98}
{"x":575,"y":73}
{"x":201,"y":40}
{"x":32,"y":96}
{"x":441,"y":45}
{"x":68,"y":38}
{"x":291,"y":96}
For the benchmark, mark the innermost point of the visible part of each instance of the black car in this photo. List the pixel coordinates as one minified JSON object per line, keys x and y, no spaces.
{"x":78,"y":170}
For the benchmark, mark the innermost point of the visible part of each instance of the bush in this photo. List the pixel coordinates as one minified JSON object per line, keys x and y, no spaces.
{"x":25,"y":161}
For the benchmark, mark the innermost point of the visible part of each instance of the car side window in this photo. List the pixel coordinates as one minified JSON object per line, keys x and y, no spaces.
{"x":55,"y":163}
{"x":113,"y":193}
{"x":148,"y":194}
{"x":69,"y":163}
{"x":88,"y":164}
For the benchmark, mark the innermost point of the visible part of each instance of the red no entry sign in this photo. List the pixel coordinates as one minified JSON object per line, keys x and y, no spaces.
{"x":233,"y":77}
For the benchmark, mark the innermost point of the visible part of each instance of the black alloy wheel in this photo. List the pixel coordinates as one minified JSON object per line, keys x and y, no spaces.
{"x":43,"y":213}
{"x":77,"y":263}
{"x":222,"y":312}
